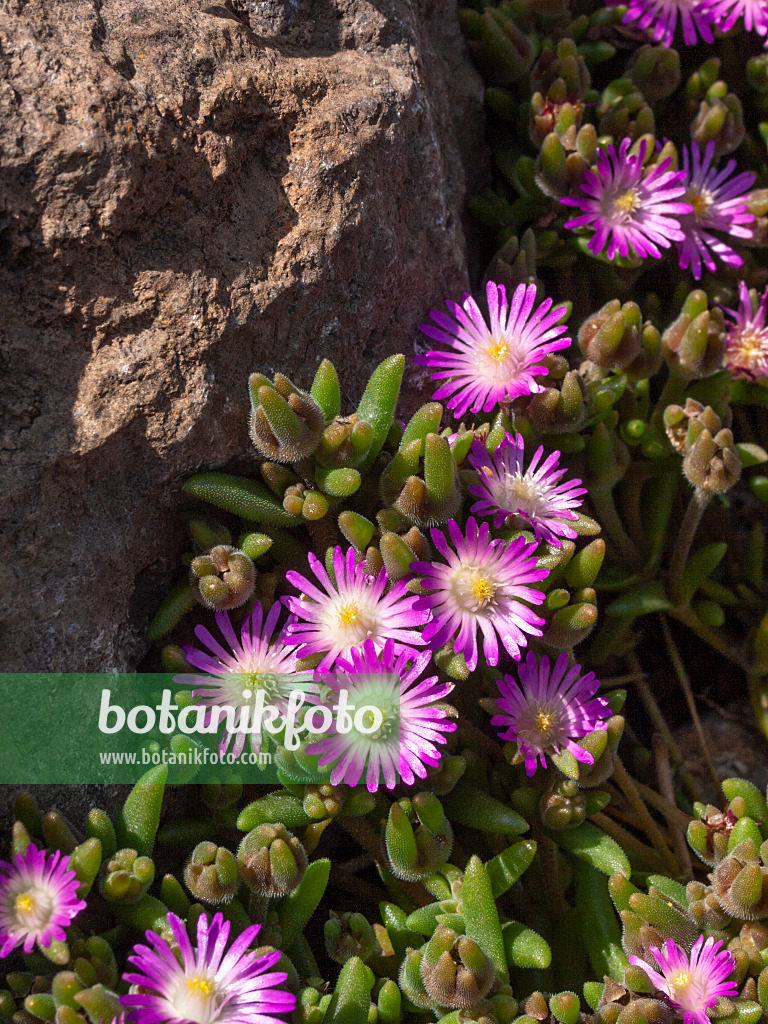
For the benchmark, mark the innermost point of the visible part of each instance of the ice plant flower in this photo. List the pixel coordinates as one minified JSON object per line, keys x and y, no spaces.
{"x":547,"y":711}
{"x":692,"y":984}
{"x":507,"y":489}
{"x":398,"y":742}
{"x":718,"y":205}
{"x":254,"y":661}
{"x":353,"y":609}
{"x":725,"y":14}
{"x":632,"y":214}
{"x":661,"y":17}
{"x":205,"y":986}
{"x":482,"y":586}
{"x":488,"y":364}
{"x":746,"y":347}
{"x":38,"y":899}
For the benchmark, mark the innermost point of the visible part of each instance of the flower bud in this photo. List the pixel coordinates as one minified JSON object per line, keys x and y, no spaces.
{"x":678,"y":420}
{"x":411,"y":982}
{"x":126,"y":877}
{"x":721,"y":121}
{"x":350,"y":935}
{"x":211,"y":874}
{"x":562,"y":806}
{"x":455,"y":971}
{"x":611,"y":338}
{"x":655,"y":70}
{"x":740,"y":883}
{"x":558,"y":410}
{"x":424,"y":501}
{"x":272,"y":860}
{"x":712,"y":463}
{"x":414,"y":853}
{"x":286,"y":424}
{"x":694,"y":344}
{"x":223,"y":578}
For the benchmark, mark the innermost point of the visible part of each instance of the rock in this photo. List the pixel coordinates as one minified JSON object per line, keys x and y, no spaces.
{"x":191,"y":191}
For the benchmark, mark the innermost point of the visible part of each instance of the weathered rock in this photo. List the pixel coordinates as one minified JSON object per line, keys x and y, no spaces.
{"x":191,"y":191}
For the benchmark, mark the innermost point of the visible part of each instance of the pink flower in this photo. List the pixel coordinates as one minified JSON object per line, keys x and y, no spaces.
{"x":482,"y":586}
{"x":353,"y":609}
{"x":547,"y":711}
{"x":506,"y":489}
{"x":632,"y":214}
{"x":661,"y":16}
{"x":38,"y":899}
{"x":717,"y":205}
{"x":203,"y":985}
{"x":746,"y":347}
{"x":725,"y":14}
{"x":692,"y":985}
{"x":254,"y":662}
{"x":410,"y":725}
{"x":486,"y":364}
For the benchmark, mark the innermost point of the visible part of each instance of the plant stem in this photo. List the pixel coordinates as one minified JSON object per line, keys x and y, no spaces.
{"x":608,"y":517}
{"x":654,"y":712}
{"x":652,"y":830}
{"x":685,"y":685}
{"x":758,"y":692}
{"x":671,"y":394}
{"x":682,"y":546}
{"x":625,"y":839}
{"x":664,"y":777}
{"x":690,"y":619}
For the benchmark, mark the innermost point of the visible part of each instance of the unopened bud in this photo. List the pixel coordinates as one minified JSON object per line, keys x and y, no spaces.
{"x":211,"y":874}
{"x":223,"y":578}
{"x":272,"y":860}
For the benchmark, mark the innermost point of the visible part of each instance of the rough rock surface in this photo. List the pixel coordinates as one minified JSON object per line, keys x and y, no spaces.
{"x":191,"y":191}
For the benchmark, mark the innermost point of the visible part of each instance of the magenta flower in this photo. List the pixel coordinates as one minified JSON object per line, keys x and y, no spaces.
{"x":204,"y":986}
{"x":725,"y":14}
{"x":38,"y":899}
{"x":661,"y":16}
{"x":491,"y":364}
{"x":234,"y":677}
{"x":746,"y":347}
{"x":718,"y":205}
{"x":630,"y":213}
{"x":506,"y":489}
{"x":400,"y":739}
{"x":483,"y":586}
{"x":352,"y":610}
{"x":692,"y":985}
{"x":547,"y":711}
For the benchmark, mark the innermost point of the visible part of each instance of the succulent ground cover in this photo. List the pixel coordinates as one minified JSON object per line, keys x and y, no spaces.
{"x":497,"y":843}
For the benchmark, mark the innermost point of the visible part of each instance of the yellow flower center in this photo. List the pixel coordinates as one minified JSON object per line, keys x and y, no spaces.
{"x":543,"y":722}
{"x":23,"y":903}
{"x":481,"y":588}
{"x":681,"y":980}
{"x":628,"y":202}
{"x":700,"y":202}
{"x":348,"y":614}
{"x":497,"y":351}
{"x":199,"y":986}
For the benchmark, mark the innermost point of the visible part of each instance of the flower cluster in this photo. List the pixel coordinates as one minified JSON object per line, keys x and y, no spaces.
{"x":637,"y":213}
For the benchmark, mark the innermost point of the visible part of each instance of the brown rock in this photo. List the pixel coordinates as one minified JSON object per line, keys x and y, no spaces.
{"x":192,"y":191}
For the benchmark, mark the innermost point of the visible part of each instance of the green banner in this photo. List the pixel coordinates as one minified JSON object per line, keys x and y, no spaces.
{"x":111,"y":728}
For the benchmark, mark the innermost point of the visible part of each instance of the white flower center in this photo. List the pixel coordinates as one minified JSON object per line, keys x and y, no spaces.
{"x":382,"y":692}
{"x":700,"y":200}
{"x":516,"y":492}
{"x":499,"y":361}
{"x":351,"y":622}
{"x":680,"y":981}
{"x":539,"y":725}
{"x":196,"y":999}
{"x":749,"y":348}
{"x":32,"y":908}
{"x":473,"y":588}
